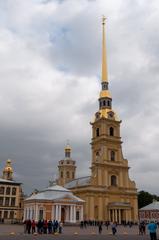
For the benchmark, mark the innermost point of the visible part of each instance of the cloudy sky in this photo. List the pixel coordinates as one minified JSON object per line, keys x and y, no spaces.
{"x":50,"y":67}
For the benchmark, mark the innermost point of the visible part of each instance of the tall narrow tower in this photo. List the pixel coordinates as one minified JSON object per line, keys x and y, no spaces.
{"x":109,"y":193}
{"x":67,"y":167}
{"x":107,"y":159}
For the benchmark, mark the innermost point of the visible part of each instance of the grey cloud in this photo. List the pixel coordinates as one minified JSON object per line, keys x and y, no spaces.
{"x":49,"y":86}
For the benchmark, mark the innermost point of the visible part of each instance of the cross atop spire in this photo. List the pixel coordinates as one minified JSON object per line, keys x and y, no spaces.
{"x":104,"y":61}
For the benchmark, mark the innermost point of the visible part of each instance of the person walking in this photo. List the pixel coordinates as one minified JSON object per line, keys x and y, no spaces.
{"x":33,"y":225}
{"x":114,"y":228}
{"x":152,"y":227}
{"x":100,"y":227}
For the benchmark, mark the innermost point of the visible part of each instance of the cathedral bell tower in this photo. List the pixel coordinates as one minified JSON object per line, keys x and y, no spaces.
{"x":67,"y":167}
{"x":109,"y":193}
{"x":109,"y":168}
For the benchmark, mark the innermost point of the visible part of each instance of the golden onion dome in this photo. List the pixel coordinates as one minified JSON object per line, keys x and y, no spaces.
{"x":8,"y":167}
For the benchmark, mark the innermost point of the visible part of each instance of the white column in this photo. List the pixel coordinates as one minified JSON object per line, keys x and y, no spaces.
{"x":81,"y":213}
{"x":56,"y":215}
{"x":119,"y":216}
{"x":113,"y":215}
{"x":53,"y":212}
{"x":116,"y":217}
{"x":31,"y":213}
{"x":71,"y":213}
{"x":74,"y":213}
{"x":36,"y":213}
{"x":24,"y":218}
{"x":59,"y":215}
{"x":67,"y":213}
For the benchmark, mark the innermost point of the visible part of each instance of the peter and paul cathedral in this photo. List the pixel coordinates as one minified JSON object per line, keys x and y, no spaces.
{"x":108,"y":192}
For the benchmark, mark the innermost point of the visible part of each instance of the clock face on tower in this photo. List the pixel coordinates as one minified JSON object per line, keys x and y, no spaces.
{"x":110,"y":114}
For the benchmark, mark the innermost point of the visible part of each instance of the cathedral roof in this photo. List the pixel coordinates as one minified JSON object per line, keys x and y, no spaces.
{"x":152,"y":206}
{"x":82,"y":181}
{"x":55,"y":193}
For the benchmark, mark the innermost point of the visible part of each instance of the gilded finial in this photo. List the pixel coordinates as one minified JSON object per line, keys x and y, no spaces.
{"x":103,"y":19}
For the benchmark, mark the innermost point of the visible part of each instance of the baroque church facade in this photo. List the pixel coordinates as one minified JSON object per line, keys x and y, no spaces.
{"x":109,"y":194}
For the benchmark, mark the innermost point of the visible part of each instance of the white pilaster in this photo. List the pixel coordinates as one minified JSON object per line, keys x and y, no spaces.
{"x":81,"y":213}
{"x":116,"y":217}
{"x":53,"y":212}
{"x":119,"y":216}
{"x":113,"y":215}
{"x":24,"y":218}
{"x":71,"y":209}
{"x":56,"y":215}
{"x":59,"y":215}
{"x":36,"y":212}
{"x":74,"y":213}
{"x":67,"y":213}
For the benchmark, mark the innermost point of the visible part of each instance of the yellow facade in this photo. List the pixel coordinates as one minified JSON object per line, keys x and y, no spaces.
{"x":109,"y":194}
{"x":11,"y":196}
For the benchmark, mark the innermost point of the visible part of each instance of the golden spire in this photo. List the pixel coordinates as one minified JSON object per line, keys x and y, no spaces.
{"x":104,"y":61}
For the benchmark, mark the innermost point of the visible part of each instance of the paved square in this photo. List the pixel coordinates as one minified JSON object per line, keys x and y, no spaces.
{"x":8,"y":232}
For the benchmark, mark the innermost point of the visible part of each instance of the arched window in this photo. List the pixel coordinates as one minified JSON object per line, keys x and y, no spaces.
{"x":8,"y":190}
{"x":112,"y":156}
{"x":113,"y":180}
{"x":104,"y":103}
{"x":61,"y":174}
{"x":67,"y":174}
{"x":111,"y":131}
{"x":97,"y":132}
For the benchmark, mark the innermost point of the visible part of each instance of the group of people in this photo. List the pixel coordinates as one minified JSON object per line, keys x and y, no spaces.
{"x":151,"y":227}
{"x":42,"y":226}
{"x":113,"y":227}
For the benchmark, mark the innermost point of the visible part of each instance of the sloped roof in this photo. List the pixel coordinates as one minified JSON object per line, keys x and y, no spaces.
{"x":83,"y":181}
{"x":2,"y":180}
{"x":152,"y":206}
{"x":55,"y":193}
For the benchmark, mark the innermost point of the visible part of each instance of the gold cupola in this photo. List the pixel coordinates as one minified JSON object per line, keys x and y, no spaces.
{"x":68,"y":150}
{"x":8,"y":171}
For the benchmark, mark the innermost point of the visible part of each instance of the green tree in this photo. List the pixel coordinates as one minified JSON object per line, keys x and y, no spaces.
{"x":145,"y":198}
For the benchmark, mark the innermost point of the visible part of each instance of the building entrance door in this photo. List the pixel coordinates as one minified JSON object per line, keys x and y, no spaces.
{"x":63,"y":214}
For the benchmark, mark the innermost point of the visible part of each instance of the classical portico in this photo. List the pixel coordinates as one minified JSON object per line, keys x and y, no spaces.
{"x":52,"y":203}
